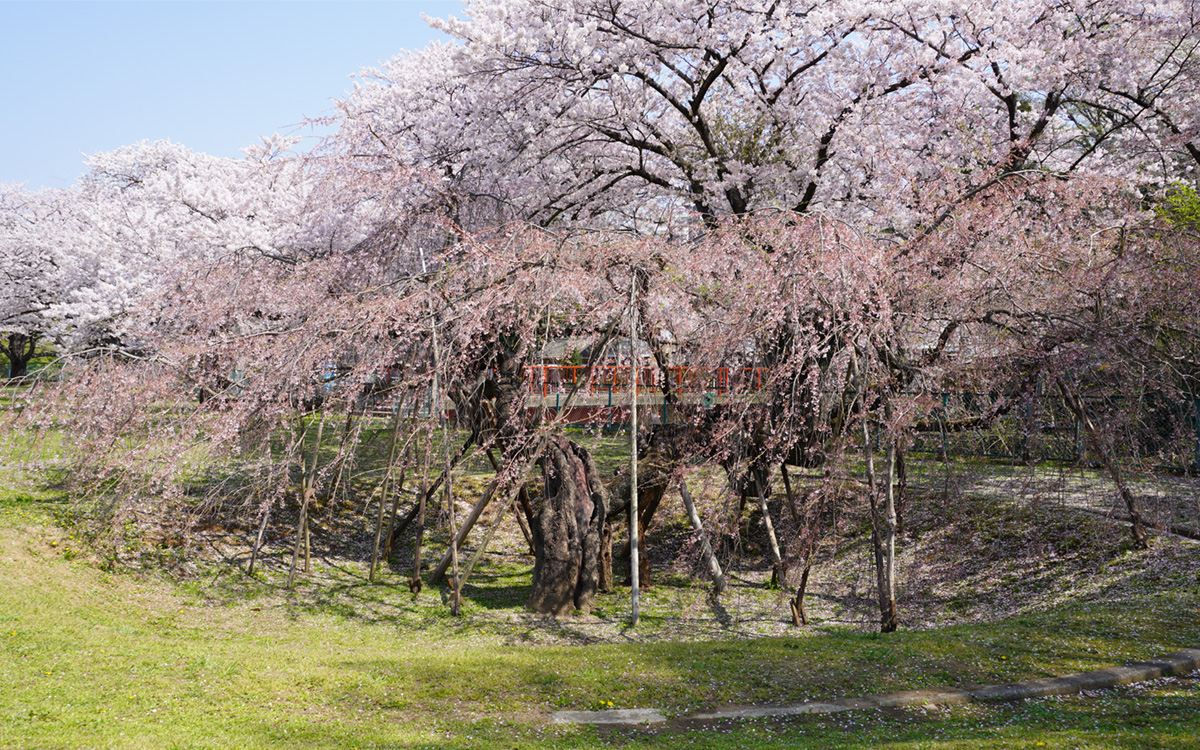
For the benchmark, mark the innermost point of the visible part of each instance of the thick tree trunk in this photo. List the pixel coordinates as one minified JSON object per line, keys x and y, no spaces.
{"x":19,"y":350}
{"x":567,"y":532}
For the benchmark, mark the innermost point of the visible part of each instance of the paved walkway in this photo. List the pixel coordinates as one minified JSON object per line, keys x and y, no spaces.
{"x":1180,"y":662}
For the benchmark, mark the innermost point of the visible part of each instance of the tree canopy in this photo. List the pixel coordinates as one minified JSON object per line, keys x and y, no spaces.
{"x":865,"y":203}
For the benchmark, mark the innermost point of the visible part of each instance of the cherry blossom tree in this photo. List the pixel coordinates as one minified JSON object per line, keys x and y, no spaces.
{"x":882,"y":112}
{"x":861,"y":203}
{"x":29,"y":278}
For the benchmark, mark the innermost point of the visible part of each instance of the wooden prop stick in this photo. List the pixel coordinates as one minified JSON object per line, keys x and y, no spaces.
{"x":1137,"y":525}
{"x":455,"y":595}
{"x":469,"y":522}
{"x":383,"y":489}
{"x":517,"y":514}
{"x":258,"y":540}
{"x":395,"y":530}
{"x":487,"y":538}
{"x":710,"y":559}
{"x":791,"y":496}
{"x":414,"y":583}
{"x":522,"y":501}
{"x":799,"y":616}
{"x":438,"y":573}
{"x":307,"y":488}
{"x":777,"y":575}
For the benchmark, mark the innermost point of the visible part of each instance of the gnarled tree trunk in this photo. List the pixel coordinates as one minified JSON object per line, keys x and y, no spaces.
{"x":19,"y":349}
{"x":567,"y":531}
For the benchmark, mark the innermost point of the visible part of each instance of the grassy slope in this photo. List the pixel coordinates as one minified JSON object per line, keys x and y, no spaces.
{"x":90,"y":658}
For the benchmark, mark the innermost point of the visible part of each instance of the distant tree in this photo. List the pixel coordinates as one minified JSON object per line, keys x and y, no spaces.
{"x":31,"y":235}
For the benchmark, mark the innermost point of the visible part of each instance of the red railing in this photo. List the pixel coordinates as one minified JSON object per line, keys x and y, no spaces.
{"x":552,"y":379}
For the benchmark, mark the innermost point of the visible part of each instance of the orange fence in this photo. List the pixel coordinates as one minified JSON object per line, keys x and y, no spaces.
{"x":552,"y":379}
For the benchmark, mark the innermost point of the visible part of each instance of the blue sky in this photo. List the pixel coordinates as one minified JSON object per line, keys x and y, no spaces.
{"x":81,"y":77}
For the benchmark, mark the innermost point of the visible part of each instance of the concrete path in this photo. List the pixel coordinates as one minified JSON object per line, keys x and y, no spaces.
{"x":1180,"y":662}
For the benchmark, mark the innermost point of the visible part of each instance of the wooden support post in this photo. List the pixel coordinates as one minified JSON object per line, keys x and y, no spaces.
{"x":710,"y":558}
{"x":383,"y":492}
{"x":414,"y":583}
{"x":777,"y":574}
{"x":799,"y":616}
{"x":455,"y":592}
{"x":522,"y":503}
{"x":306,"y":485}
{"x":258,"y":540}
{"x":468,"y":523}
{"x":487,"y":538}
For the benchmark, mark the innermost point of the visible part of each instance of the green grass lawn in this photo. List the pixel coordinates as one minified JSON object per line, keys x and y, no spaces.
{"x":92,"y":658}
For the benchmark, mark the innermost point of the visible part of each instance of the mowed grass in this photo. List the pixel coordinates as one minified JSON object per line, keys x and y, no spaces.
{"x":90,"y":658}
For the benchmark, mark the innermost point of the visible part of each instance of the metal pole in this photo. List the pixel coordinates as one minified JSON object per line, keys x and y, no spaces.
{"x":634,"y":523}
{"x":1196,"y":409}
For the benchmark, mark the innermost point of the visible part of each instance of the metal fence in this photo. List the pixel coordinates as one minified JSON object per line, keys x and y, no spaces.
{"x":1156,"y":432}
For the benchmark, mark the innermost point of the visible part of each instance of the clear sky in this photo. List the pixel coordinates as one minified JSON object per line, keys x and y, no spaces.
{"x":78,"y":78}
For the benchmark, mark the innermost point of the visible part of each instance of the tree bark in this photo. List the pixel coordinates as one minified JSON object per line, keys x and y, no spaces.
{"x":567,"y":531}
{"x":19,"y":350}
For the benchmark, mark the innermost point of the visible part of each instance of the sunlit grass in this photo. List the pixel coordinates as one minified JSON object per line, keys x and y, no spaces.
{"x":127,"y":657}
{"x":96,"y":659}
